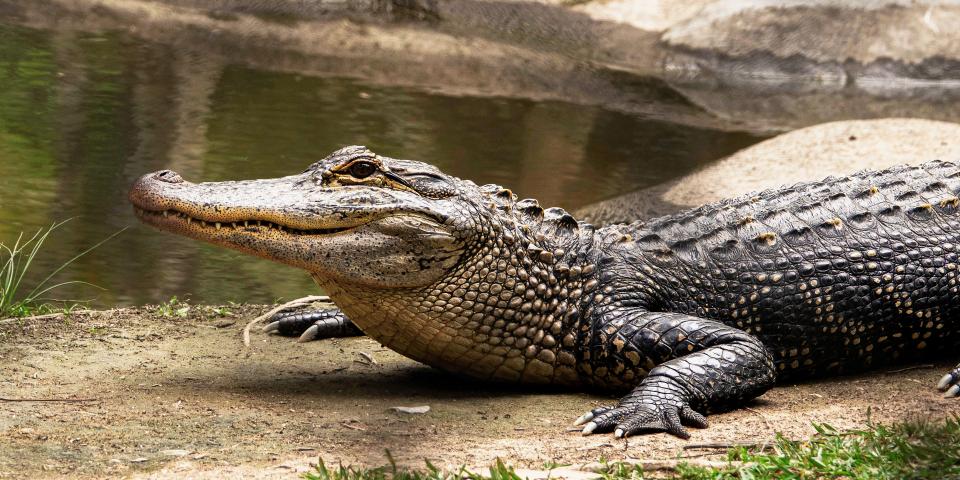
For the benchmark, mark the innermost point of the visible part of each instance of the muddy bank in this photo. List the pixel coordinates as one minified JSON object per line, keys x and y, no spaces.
{"x":156,"y":395}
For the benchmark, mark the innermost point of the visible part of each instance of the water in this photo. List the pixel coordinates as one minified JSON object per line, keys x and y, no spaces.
{"x":84,"y":114}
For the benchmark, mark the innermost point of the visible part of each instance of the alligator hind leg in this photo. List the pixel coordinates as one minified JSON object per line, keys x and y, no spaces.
{"x":701,"y":366}
{"x":950,"y":383}
{"x":315,"y":325}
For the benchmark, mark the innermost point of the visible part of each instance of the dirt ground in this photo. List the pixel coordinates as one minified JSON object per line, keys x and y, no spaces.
{"x":156,"y":396}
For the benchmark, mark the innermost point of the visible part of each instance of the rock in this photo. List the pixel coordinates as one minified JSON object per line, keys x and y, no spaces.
{"x":412,"y":410}
{"x":835,"y":43}
{"x":651,"y":15}
{"x":175,"y":452}
{"x":836,"y":148}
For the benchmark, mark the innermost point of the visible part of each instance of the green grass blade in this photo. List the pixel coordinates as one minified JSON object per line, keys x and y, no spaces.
{"x":39,"y":294}
{"x":40,"y":285}
{"x":19,"y":259}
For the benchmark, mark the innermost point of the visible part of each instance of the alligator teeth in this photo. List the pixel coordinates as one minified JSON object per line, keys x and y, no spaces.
{"x":267,"y":225}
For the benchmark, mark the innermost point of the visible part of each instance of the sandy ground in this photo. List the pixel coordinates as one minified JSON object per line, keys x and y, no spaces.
{"x":159,"y":396}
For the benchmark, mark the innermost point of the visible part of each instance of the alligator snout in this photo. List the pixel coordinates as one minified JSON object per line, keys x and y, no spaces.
{"x":168,"y":176}
{"x":148,"y":192}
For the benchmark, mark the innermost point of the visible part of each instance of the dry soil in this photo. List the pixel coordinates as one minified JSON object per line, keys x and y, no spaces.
{"x":134,"y":393}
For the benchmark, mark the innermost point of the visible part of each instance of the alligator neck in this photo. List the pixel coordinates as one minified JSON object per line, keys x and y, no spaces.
{"x":511,"y":311}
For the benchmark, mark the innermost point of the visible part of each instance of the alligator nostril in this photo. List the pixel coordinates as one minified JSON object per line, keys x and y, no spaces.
{"x":168,"y":176}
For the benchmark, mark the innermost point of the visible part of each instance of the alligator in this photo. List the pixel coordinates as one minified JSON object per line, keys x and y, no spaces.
{"x":688,"y":314}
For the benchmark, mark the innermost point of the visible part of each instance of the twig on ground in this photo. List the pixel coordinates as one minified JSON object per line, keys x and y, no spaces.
{"x":291,"y":304}
{"x":912,"y":367}
{"x":34,"y":317}
{"x":69,"y":400}
{"x":720,"y":445}
{"x":762,"y":416}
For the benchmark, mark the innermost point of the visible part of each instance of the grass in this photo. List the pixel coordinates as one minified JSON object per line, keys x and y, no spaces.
{"x":914,"y":450}
{"x":391,"y":471}
{"x":177,"y":307}
{"x":17,"y":261}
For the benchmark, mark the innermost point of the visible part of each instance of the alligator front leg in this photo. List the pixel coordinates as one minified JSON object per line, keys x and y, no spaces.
{"x":700,"y":366}
{"x":314,"y":325}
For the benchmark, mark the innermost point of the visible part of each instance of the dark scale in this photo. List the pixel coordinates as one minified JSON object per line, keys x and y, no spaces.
{"x":691,"y":313}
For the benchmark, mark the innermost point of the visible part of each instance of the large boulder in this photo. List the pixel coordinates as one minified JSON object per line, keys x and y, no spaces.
{"x":840,"y":41}
{"x":812,"y":153}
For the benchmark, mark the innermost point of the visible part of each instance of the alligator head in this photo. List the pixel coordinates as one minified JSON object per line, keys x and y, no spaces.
{"x":353,"y":218}
{"x":430,"y":265}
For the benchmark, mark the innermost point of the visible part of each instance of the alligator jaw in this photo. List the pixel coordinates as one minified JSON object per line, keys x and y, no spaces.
{"x":265,"y":218}
{"x":180,"y":222}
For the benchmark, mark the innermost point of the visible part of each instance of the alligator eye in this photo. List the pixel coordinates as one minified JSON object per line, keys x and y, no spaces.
{"x":362,"y":169}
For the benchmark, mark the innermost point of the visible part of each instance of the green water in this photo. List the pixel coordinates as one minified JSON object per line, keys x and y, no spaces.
{"x":84,"y":114}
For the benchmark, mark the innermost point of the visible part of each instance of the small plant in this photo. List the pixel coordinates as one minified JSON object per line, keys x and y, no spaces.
{"x":17,"y":260}
{"x":98,"y":330}
{"x":553,"y":464}
{"x":621,"y":471}
{"x":220,"y":311}
{"x":391,"y":471}
{"x":173,"y":308}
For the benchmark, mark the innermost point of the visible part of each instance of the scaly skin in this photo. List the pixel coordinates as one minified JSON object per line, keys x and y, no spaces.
{"x":691,"y":313}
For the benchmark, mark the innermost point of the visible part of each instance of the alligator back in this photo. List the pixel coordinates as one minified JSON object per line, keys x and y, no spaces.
{"x":861,"y":267}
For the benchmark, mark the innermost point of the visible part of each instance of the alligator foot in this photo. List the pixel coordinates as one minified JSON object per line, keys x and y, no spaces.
{"x":314,"y":325}
{"x":950,"y":383}
{"x":644,"y":411}
{"x":701,"y":365}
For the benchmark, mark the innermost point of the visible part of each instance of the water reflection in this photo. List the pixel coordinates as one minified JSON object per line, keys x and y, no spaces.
{"x":83,"y":114}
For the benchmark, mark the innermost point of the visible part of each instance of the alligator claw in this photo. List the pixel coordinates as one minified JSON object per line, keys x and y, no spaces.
{"x":312,"y":325}
{"x":271,"y":327}
{"x":945,"y":382}
{"x":586,"y":417}
{"x":949,"y":384}
{"x":641,"y":415}
{"x":310,"y":334}
{"x":589,"y":428}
